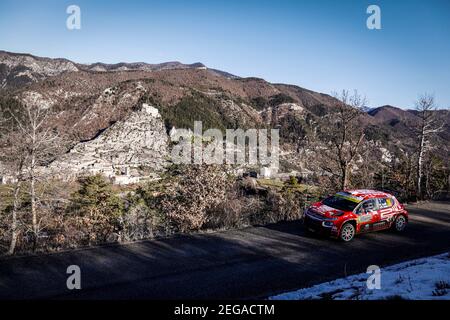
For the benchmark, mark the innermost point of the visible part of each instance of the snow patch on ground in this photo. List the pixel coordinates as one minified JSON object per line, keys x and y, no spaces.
{"x":420,"y":279}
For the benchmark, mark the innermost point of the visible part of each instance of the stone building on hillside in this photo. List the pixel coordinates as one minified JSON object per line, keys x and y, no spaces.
{"x":127,"y":152}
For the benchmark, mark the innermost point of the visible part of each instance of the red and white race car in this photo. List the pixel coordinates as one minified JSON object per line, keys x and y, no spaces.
{"x":352,"y":212}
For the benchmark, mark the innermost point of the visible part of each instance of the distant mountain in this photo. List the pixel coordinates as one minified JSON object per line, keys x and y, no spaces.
{"x":392,"y":115}
{"x":18,"y":69}
{"x":366,"y":108}
{"x":139,"y":66}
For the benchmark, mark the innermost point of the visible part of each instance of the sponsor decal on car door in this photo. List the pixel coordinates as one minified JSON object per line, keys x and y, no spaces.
{"x":368,"y":215}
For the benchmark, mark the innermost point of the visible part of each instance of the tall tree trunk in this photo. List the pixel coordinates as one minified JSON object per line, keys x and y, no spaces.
{"x":33,"y":200}
{"x":407,"y":185}
{"x":344,"y":179}
{"x":33,"y":206}
{"x":14,"y":224}
{"x":420,"y":165}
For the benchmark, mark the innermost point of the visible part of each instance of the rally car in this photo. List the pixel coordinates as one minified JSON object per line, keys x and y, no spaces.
{"x":352,"y":212}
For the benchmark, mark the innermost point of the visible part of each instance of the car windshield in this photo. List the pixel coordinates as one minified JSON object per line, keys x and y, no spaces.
{"x":341,"y":203}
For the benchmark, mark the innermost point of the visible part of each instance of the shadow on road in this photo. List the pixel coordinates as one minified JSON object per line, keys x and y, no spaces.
{"x":250,"y":263}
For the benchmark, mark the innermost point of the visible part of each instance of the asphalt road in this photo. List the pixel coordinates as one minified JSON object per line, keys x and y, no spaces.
{"x":251,"y":263}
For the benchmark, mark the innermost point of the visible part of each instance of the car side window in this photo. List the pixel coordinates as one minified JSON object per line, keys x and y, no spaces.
{"x":367,"y":206}
{"x":385,"y":203}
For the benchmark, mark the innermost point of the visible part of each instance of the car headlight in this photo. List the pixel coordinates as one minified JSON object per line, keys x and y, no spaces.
{"x":327,"y":224}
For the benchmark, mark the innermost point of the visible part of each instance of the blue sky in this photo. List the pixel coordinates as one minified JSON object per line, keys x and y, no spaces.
{"x":320,"y":45}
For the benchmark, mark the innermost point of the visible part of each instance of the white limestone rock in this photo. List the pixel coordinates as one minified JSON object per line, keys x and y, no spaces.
{"x":138,"y":141}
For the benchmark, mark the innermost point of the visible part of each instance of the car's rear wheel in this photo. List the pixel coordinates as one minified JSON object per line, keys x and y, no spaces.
{"x":347,"y":232}
{"x":400,"y":223}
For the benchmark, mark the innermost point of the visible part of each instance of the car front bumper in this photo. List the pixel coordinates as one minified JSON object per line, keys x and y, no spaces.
{"x":317,"y":225}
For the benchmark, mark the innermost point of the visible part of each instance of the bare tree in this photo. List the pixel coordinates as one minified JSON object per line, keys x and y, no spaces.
{"x":12,"y":157}
{"x":35,"y":140}
{"x":429,"y":126}
{"x":16,"y":204}
{"x":343,"y":137}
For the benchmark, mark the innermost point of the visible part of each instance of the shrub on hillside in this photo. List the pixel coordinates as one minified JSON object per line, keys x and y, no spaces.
{"x":188,"y":200}
{"x":143,"y":217}
{"x":236,"y":211}
{"x":284,"y":205}
{"x":94,"y":213}
{"x":138,"y":221}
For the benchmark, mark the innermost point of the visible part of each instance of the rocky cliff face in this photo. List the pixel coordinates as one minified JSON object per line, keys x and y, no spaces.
{"x":127,"y":151}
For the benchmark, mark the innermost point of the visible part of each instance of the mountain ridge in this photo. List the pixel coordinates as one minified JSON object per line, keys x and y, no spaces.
{"x":18,"y":69}
{"x":86,"y":102}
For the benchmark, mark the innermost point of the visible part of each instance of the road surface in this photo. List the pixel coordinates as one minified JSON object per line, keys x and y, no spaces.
{"x":255,"y":262}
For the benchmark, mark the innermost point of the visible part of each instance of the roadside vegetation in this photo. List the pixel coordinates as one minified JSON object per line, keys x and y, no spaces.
{"x":187,"y":199}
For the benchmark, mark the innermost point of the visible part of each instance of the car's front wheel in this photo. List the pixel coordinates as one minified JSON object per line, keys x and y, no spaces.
{"x":400,"y":223}
{"x":347,"y":232}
